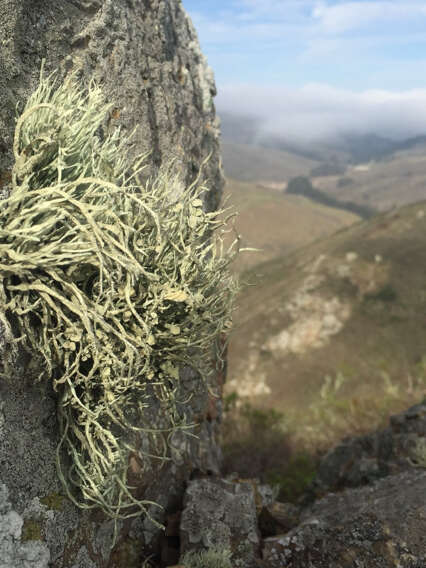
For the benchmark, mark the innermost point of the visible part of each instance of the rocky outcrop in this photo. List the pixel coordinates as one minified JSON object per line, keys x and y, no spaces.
{"x":382,"y":525}
{"x":146,"y":57}
{"x":348,"y":519}
{"x":378,"y":516}
{"x":362,"y":460}
{"x":221,"y":513}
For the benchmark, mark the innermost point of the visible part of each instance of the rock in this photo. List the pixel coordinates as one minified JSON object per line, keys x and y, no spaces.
{"x":222,"y":514}
{"x":382,"y":526}
{"x":361,"y":460}
{"x":278,"y":518}
{"x":146,"y":57}
{"x":378,"y":517}
{"x":14,"y":549}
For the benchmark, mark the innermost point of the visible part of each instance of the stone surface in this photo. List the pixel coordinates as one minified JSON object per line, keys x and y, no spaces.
{"x":278,"y":518}
{"x":382,"y":525}
{"x":221,"y":513}
{"x":360,"y":460}
{"x":13,"y":551}
{"x":378,"y":516}
{"x":146,"y":57}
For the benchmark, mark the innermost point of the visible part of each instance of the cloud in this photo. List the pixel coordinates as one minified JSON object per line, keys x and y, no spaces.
{"x":306,"y":31}
{"x":320,"y":111}
{"x":340,"y":18}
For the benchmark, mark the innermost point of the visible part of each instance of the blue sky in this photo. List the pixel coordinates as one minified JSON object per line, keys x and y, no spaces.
{"x":364,"y":55}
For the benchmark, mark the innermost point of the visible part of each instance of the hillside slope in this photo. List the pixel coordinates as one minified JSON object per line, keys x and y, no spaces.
{"x":398,"y":180}
{"x":351,"y":308}
{"x":278,"y":223}
{"x":382,"y":185}
{"x":247,"y":163}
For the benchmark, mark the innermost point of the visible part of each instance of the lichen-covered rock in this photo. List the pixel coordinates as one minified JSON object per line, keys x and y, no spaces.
{"x":361,"y":460}
{"x":382,"y":525}
{"x":378,"y":517}
{"x":146,"y":57}
{"x":221,"y":514}
{"x":278,"y":518}
{"x":15,"y":549}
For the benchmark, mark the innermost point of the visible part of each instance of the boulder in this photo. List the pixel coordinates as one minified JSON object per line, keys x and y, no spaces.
{"x":361,"y":460}
{"x":382,"y":525}
{"x":370,"y":507}
{"x":220,"y":513}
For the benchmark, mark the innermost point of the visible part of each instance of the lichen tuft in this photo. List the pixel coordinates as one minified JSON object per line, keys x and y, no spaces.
{"x":115,"y":283}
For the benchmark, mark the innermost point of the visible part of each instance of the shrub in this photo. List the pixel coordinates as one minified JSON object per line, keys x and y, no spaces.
{"x":115,"y":284}
{"x":302,"y":186}
{"x":387,"y":293}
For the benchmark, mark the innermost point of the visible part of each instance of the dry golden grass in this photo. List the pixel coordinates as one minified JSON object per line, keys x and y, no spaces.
{"x":379,"y":354}
{"x":247,"y":163}
{"x":277,"y":223}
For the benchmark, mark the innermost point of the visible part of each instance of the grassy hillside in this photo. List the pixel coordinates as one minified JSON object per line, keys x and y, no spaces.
{"x":398,"y":180}
{"x":278,"y":223}
{"x":381,"y":185}
{"x":248,"y":163}
{"x":333,"y":334}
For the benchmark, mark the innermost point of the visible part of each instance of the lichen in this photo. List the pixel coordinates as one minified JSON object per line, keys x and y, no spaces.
{"x":31,"y":530}
{"x":210,"y":558}
{"x":115,"y":284}
{"x":53,"y":501}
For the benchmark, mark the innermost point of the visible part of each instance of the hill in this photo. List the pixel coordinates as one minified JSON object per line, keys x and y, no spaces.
{"x":278,"y":223}
{"x":398,"y":180}
{"x":248,"y":163}
{"x":382,"y":185}
{"x":368,"y":170}
{"x":337,"y":325}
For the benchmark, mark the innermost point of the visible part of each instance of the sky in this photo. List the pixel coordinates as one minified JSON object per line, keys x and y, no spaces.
{"x":311,"y":68}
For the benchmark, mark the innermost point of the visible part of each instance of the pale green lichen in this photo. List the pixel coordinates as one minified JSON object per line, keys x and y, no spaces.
{"x":116,"y":285}
{"x":211,"y":558}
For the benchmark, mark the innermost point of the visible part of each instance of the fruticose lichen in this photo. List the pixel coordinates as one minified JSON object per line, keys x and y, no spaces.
{"x":117,"y":285}
{"x":211,"y":558}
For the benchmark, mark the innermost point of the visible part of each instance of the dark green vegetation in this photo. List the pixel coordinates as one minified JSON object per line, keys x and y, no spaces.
{"x":301,"y":185}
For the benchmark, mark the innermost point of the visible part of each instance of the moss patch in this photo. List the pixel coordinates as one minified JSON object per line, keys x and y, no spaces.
{"x":53,"y":501}
{"x":31,"y":530}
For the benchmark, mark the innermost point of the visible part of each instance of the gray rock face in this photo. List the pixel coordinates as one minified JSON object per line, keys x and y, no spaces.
{"x":14,"y":552}
{"x":146,"y":57}
{"x":382,"y":525}
{"x":221,"y":513}
{"x":378,"y":517}
{"x":361,"y":460}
